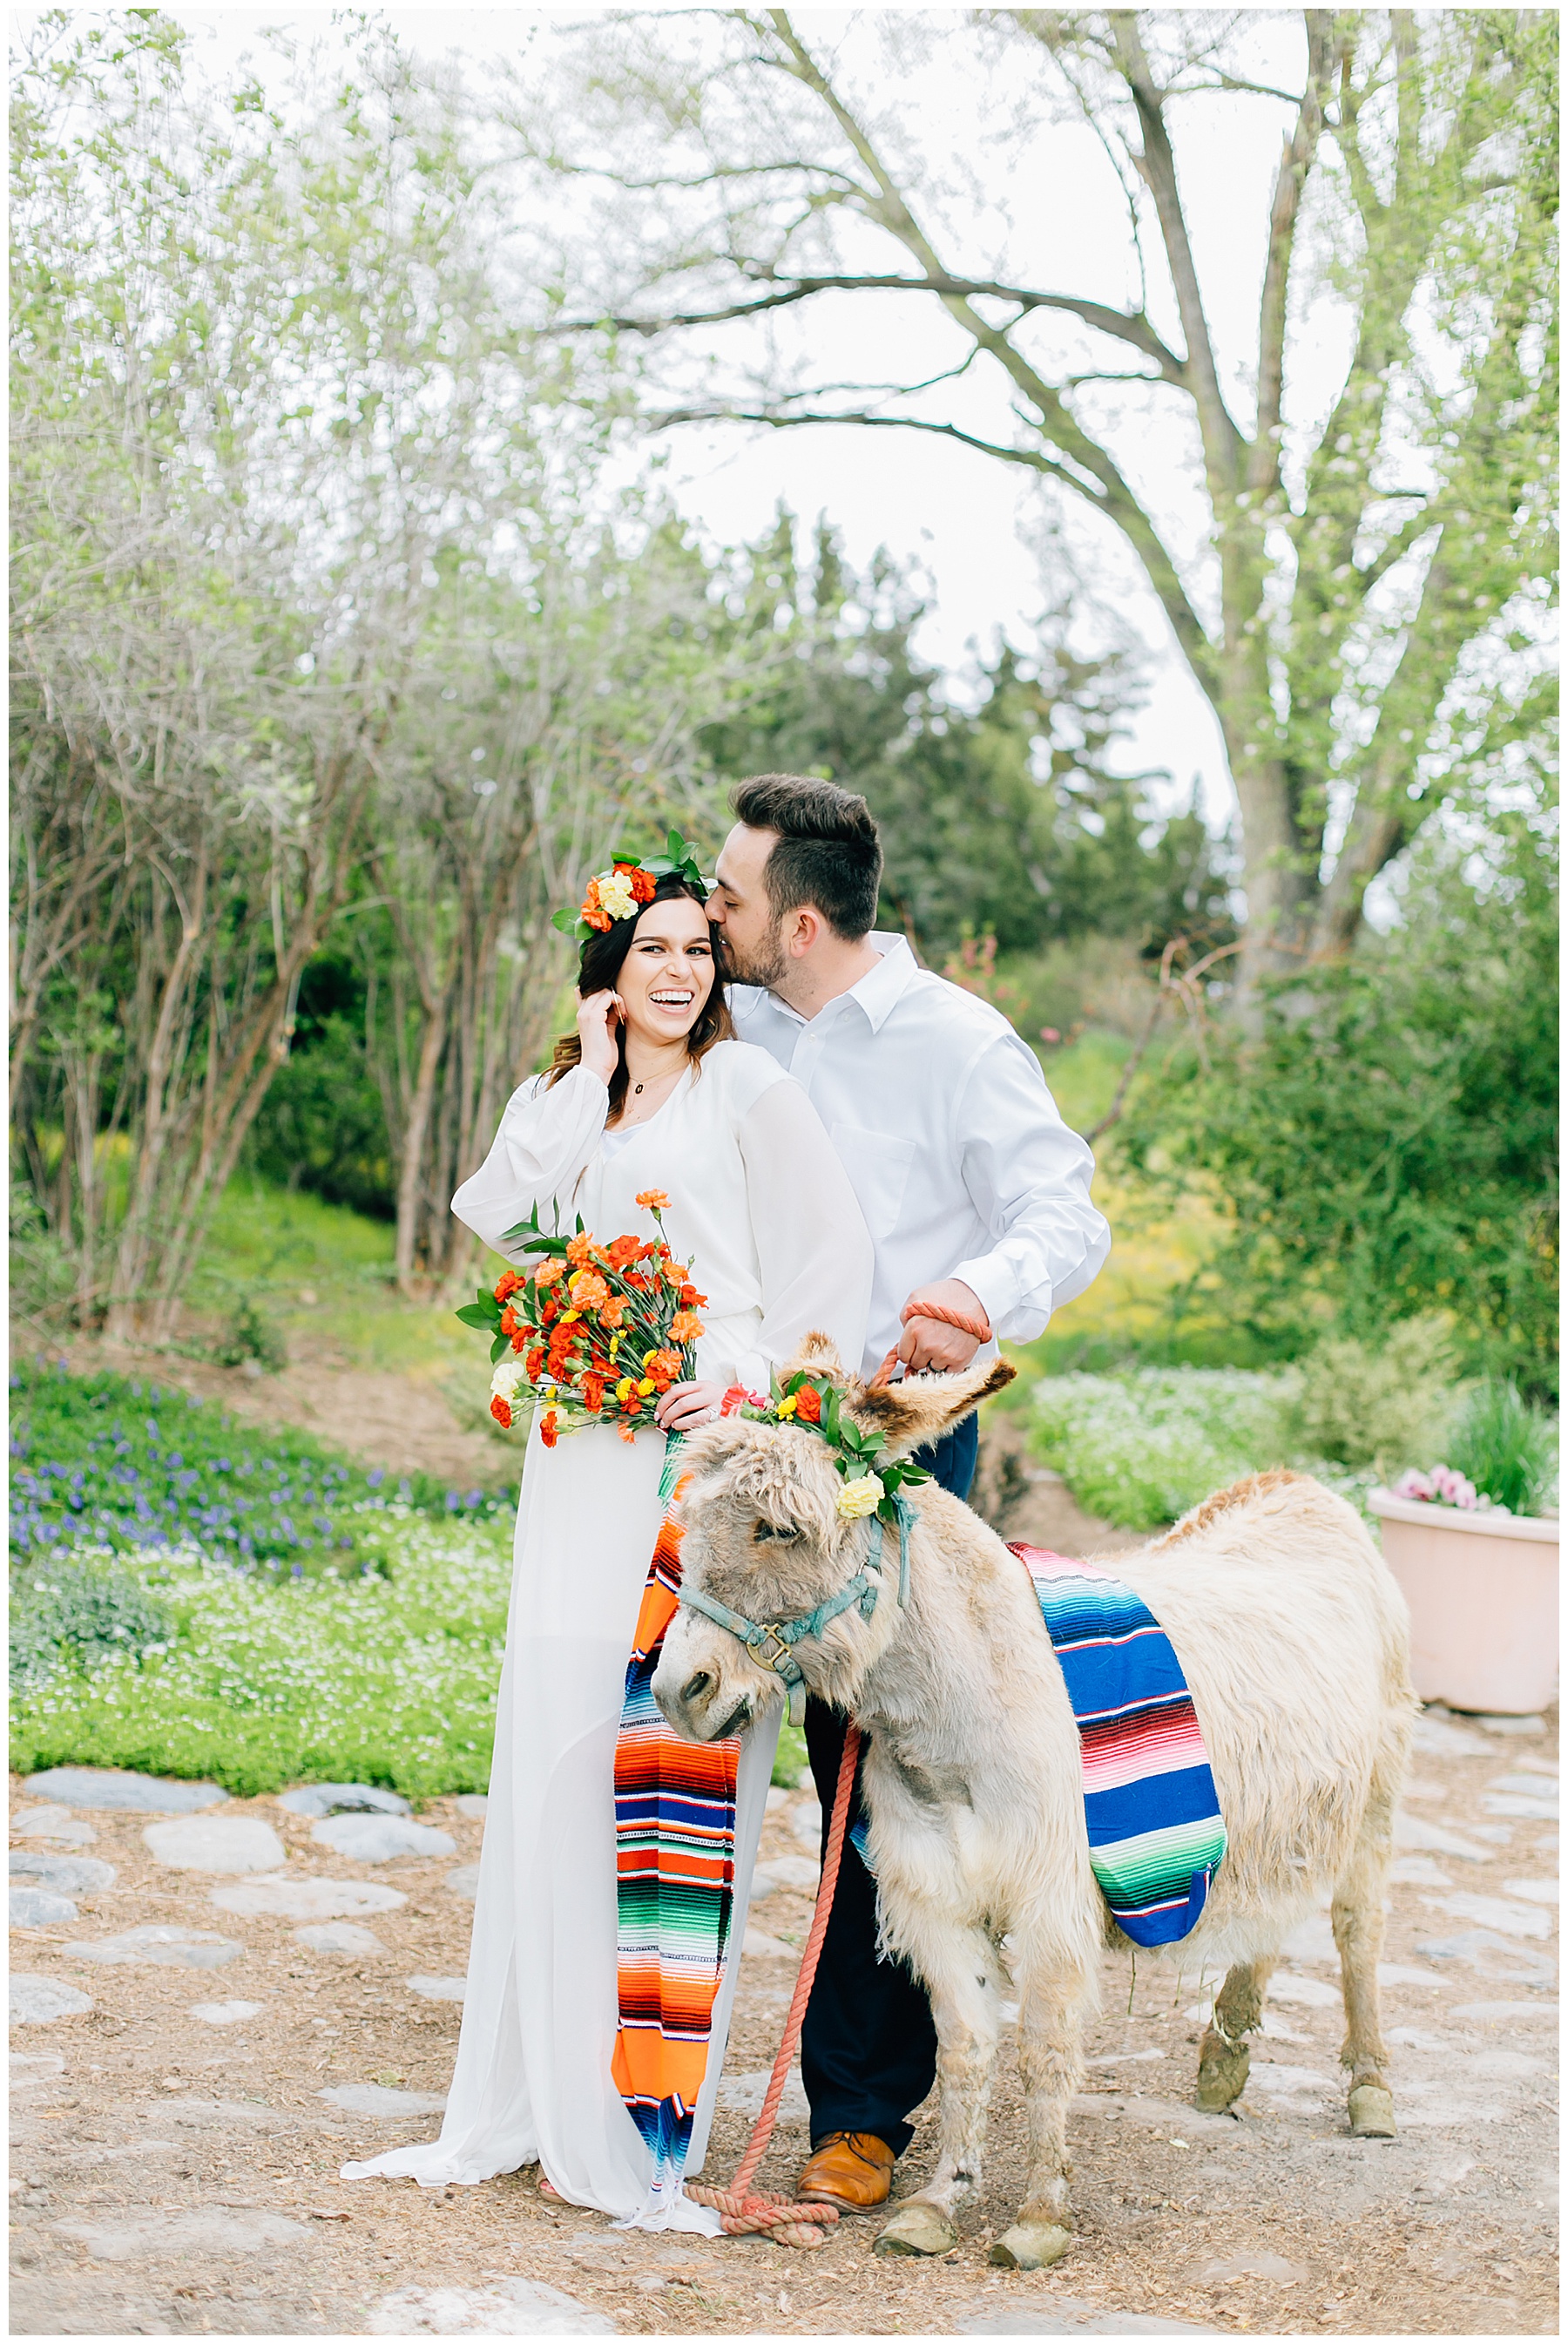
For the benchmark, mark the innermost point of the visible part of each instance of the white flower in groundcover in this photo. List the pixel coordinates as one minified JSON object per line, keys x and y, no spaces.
{"x":862,"y":1496}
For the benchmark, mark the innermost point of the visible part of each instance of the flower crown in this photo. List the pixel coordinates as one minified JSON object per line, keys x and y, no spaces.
{"x":615,"y":893}
{"x":871,"y":1479}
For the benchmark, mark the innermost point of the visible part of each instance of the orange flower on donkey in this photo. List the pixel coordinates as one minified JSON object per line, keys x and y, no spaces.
{"x":808,"y":1405}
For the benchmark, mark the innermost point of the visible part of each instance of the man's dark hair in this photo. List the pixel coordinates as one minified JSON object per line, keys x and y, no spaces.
{"x":828,"y":852}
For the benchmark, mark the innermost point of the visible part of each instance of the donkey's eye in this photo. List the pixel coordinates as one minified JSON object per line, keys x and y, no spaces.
{"x":762,"y":1529}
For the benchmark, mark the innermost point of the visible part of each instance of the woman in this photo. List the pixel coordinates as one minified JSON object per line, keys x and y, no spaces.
{"x":652,"y":1091}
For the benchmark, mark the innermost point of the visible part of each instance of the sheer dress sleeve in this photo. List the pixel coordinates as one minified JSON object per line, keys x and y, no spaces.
{"x":811,"y":1241}
{"x":545,"y":1140}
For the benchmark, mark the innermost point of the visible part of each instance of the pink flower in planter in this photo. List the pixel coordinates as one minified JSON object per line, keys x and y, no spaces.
{"x":1441,"y":1487}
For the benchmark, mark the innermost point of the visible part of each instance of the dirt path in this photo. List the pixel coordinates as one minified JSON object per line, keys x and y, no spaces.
{"x":176,"y":2162}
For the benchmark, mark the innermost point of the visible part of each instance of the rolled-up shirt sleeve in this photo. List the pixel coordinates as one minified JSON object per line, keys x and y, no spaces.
{"x":546,"y":1138}
{"x":812,"y":1246}
{"x":1029,"y":1177}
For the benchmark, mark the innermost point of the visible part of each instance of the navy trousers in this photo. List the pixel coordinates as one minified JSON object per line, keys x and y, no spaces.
{"x":869,"y":2048}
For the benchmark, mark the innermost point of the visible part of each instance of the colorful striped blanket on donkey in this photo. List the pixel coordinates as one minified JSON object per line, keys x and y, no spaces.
{"x":1156,"y":1835}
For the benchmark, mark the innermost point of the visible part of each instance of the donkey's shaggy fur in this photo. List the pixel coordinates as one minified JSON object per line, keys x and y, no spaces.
{"x":1292,"y":1636}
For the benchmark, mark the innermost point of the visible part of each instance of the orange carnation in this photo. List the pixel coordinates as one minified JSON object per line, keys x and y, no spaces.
{"x":652,"y":1200}
{"x":593,"y":1394}
{"x":533,"y":1362}
{"x":691,"y":1300}
{"x":549,"y":1270}
{"x":808,"y":1406}
{"x":613,"y":1312}
{"x":685,"y":1327}
{"x":506,"y":1284}
{"x":579,"y":1249}
{"x":502,"y":1413}
{"x":547,"y":1427}
{"x":624,"y":1251}
{"x":662,"y":1366}
{"x":589,"y":1290}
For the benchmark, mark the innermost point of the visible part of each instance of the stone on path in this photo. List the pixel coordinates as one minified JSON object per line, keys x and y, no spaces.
{"x":1485,"y":1951}
{"x":1536,"y":1892}
{"x":465,"y":1881}
{"x":472,"y":1803}
{"x":1067,"y":2316}
{"x":439,"y":1989}
{"x":743,"y":2096}
{"x":1510,"y":1802}
{"x":1439,"y":1739}
{"x":1311,"y":1940}
{"x":142,"y":2234}
{"x":39,"y":2001}
{"x":67,"y":1876}
{"x":216,"y":1844}
{"x":763,"y":1947}
{"x":806,"y":1823}
{"x":797,"y":1871}
{"x":108,"y":1787}
{"x":1308,"y":1991}
{"x":1527,"y":1724}
{"x":1515,"y":1919}
{"x":157,"y":1946}
{"x":1419,"y":1871}
{"x":508,"y":2306}
{"x":305,"y":1900}
{"x":340,"y":1937}
{"x":376,"y":1839}
{"x":318,"y":1799}
{"x":52,"y":1822}
{"x":30,"y":2070}
{"x":39,"y":1909}
{"x":1274,"y":2266}
{"x":225,"y":2014}
{"x":381,"y":2100}
{"x":1509,"y":2014}
{"x":1414,"y":1832}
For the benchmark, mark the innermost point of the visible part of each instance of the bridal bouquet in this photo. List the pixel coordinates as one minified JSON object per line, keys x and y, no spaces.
{"x":594,"y":1333}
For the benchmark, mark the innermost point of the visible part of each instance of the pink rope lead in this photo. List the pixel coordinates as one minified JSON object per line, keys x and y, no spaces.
{"x":981,"y":1328}
{"x":741,"y":2213}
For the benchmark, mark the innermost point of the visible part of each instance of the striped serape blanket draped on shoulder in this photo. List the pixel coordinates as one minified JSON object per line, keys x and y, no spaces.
{"x":1156,"y":1835}
{"x":675,"y":1881}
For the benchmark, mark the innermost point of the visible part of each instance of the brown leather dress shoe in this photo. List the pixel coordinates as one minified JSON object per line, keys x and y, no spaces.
{"x":852,"y":2170}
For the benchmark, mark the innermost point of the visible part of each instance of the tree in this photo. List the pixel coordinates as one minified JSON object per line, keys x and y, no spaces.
{"x":1353,"y":591}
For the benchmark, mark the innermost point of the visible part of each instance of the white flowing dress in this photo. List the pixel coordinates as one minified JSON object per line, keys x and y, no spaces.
{"x":763,"y":1211}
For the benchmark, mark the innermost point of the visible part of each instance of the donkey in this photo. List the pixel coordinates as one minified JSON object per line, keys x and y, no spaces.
{"x":1292,"y":1636}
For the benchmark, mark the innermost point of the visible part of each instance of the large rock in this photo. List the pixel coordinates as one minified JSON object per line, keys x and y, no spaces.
{"x":340,"y":1937}
{"x":137,"y":2236}
{"x":800,"y":1873}
{"x":288,"y":1899}
{"x":465,"y":1881}
{"x":216,"y":1843}
{"x":156,"y":1946}
{"x":39,"y":2001}
{"x":107,"y":1786}
{"x":376,"y":1839}
{"x":315,"y":1799}
{"x":67,"y":1876}
{"x":381,"y":2100}
{"x":40,"y":1908}
{"x":57,"y":1824}
{"x":806,"y":1823}
{"x":472,"y":1803}
{"x":508,"y":2306}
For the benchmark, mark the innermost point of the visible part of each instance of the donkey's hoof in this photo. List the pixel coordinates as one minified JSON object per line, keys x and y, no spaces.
{"x":1223,"y":2070}
{"x":1371,"y":2113}
{"x":1031,"y":2245}
{"x":918,"y":2228}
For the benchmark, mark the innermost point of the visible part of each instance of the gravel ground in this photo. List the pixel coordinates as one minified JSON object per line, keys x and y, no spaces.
{"x":175,"y":2167}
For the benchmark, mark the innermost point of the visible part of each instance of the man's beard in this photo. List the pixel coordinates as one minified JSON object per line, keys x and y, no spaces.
{"x":763,"y":968}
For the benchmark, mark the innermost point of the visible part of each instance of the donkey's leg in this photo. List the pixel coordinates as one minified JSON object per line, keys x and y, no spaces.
{"x":1357,"y":1915}
{"x":1223,"y":2056}
{"x":959,"y":1967}
{"x":1054,"y":2000}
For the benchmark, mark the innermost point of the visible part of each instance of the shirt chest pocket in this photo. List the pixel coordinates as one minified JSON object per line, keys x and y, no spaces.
{"x":879,"y":1169}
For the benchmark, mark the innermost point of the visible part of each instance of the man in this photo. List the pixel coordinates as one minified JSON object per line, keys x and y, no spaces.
{"x":977,"y":1197}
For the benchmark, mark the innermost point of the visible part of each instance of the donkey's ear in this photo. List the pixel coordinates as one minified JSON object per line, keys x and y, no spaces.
{"x":922,"y":1407}
{"x":819,"y":1355}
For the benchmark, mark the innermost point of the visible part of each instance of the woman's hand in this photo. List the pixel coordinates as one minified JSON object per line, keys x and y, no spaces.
{"x":598,"y":1016}
{"x":686,"y":1406}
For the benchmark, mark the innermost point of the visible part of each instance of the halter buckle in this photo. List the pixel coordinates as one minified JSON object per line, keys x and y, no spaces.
{"x":770,"y":1633}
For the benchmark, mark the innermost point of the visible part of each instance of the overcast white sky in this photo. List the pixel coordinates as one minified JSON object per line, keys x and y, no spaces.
{"x":965,"y":518}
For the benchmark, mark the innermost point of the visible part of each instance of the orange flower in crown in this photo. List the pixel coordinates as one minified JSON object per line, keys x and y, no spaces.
{"x":629,"y":881}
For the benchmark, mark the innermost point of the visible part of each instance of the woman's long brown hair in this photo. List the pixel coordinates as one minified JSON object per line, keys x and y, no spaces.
{"x":603,"y":956}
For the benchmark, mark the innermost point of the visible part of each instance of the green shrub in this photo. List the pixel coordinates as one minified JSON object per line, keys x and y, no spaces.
{"x":791,"y":1763}
{"x":70,"y":1612}
{"x":1386,"y":1406}
{"x":1506,"y":1448}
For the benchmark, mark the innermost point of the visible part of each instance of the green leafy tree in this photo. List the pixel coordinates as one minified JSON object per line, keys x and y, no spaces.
{"x":1352,"y":585}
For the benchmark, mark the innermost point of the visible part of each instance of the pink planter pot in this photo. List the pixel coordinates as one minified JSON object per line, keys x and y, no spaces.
{"x":1482,"y":1595}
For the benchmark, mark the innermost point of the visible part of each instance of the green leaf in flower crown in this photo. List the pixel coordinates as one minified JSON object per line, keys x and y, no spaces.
{"x":567,"y":920}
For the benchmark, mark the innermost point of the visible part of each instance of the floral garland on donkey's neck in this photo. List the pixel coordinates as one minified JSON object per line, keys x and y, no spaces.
{"x":597,"y":1333}
{"x":872,"y":1479}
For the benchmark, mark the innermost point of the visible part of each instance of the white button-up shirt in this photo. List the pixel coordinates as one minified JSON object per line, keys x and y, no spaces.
{"x":953,"y":1145}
